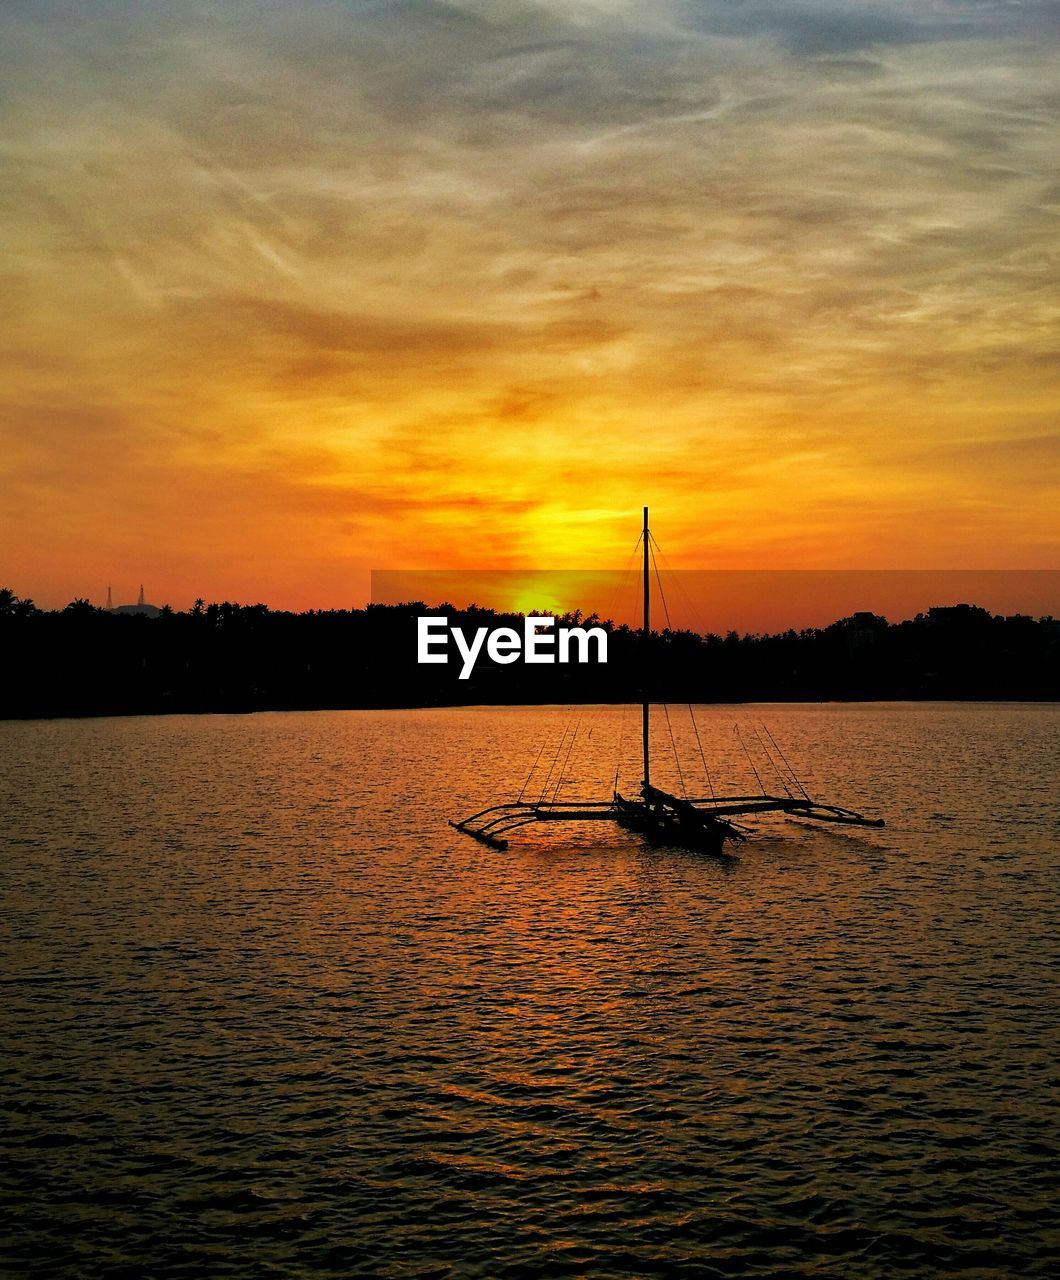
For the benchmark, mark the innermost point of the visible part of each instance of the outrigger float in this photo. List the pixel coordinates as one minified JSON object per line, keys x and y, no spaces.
{"x":706,"y":824}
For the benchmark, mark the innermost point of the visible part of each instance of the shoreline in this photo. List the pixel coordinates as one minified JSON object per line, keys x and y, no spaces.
{"x":129,"y":713}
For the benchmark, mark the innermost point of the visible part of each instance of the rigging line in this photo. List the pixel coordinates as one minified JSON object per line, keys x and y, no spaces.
{"x":691,"y":715}
{"x":773,"y":763}
{"x":625,"y":577}
{"x":794,"y":775}
{"x":548,"y":776}
{"x":703,"y":758}
{"x":689,"y":602}
{"x":592,"y":718}
{"x":622,"y":585}
{"x":696,"y":622}
{"x":555,"y":758}
{"x":652,"y":544}
{"x":747,"y":753}
{"x":533,"y":770}
{"x":677,"y":758}
{"x":566,"y":761}
{"x":576,"y":718}
{"x":666,"y":612}
{"x":619,"y":588}
{"x":666,"y":709}
{"x":783,"y":778}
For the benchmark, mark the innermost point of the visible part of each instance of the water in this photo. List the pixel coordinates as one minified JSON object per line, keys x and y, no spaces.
{"x":264,"y":1014}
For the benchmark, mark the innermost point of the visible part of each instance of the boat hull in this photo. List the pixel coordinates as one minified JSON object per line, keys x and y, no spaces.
{"x":662,"y":824}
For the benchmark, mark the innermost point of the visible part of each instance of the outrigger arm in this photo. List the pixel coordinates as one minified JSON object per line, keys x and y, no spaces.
{"x":657,"y":813}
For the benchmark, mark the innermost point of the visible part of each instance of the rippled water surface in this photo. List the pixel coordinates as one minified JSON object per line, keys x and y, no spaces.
{"x":265,"y":1014}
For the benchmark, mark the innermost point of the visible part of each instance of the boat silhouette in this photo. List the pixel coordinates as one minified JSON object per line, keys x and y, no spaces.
{"x":703,"y":823}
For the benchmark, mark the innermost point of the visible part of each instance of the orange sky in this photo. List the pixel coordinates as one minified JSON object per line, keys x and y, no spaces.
{"x":292,"y":292}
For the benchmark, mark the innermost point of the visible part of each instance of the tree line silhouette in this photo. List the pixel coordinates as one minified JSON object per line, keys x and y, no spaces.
{"x":82,"y":660}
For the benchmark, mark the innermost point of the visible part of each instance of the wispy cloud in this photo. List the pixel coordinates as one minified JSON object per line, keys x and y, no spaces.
{"x":484,"y":265}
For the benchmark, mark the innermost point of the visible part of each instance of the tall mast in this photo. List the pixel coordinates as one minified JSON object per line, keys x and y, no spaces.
{"x":645,"y":641}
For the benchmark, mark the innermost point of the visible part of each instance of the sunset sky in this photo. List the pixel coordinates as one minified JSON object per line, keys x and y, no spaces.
{"x":292,"y":291}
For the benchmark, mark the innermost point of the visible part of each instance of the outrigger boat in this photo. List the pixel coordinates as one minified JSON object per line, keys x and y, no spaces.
{"x":660,"y":817}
